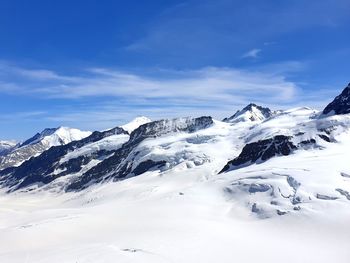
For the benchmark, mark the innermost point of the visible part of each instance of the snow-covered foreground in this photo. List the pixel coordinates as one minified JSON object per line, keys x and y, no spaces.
{"x":177,"y":217}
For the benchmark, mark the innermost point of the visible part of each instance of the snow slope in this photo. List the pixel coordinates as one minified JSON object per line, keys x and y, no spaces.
{"x":177,"y":217}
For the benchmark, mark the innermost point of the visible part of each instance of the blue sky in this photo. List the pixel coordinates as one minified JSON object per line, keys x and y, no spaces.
{"x":97,"y":64}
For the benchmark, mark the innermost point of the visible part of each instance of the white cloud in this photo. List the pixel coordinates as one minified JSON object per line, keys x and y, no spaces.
{"x":214,"y":85}
{"x":253,"y":53}
{"x":117,"y":96}
{"x":210,"y":84}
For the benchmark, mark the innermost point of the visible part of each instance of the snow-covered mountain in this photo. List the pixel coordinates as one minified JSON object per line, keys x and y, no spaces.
{"x":134,"y":124}
{"x":249,"y":140}
{"x":286,"y":169}
{"x":72,"y":158}
{"x":251,"y":112}
{"x":56,"y":136}
{"x":98,"y":157}
{"x":188,"y":181}
{"x":39,"y":143}
{"x":6,"y":146}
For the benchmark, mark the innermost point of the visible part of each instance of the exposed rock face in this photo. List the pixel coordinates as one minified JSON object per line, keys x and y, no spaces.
{"x":251,"y":112}
{"x":158,"y":128}
{"x":341,"y":103}
{"x":18,"y":155}
{"x":120,"y":164}
{"x":40,"y":169}
{"x":148,"y":165}
{"x":261,"y":151}
{"x":115,"y":164}
{"x":344,"y":193}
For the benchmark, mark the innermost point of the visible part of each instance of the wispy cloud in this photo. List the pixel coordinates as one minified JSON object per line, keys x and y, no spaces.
{"x":110,"y":97}
{"x":207,"y":85}
{"x":100,"y":98}
{"x":253,"y":53}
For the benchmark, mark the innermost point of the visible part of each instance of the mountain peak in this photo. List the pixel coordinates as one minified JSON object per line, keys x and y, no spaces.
{"x":39,"y":143}
{"x":57,"y":136}
{"x":38,"y":136}
{"x":250,"y":106}
{"x":64,"y":135}
{"x":251,"y":112}
{"x":341,"y":103}
{"x":135,"y":123}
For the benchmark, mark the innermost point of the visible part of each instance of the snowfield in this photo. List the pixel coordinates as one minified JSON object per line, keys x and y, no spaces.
{"x":283,"y":195}
{"x":179,"y":217}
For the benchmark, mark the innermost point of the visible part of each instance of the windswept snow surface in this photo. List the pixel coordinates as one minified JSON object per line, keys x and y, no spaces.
{"x":179,"y":217}
{"x":293,"y":208}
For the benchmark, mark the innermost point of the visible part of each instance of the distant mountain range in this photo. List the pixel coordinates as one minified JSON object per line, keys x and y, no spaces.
{"x":272,"y":162}
{"x":16,"y":153}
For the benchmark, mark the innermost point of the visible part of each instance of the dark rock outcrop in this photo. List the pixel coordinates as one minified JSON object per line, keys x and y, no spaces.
{"x":147,"y":166}
{"x":324,"y":137}
{"x":40,"y":169}
{"x":261,"y":151}
{"x":341,"y":103}
{"x":326,"y":197}
{"x":344,"y":193}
